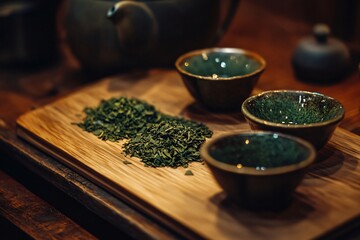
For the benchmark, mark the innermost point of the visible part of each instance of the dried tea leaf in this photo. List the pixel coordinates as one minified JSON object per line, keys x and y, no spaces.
{"x":126,"y":162}
{"x":159,"y":140}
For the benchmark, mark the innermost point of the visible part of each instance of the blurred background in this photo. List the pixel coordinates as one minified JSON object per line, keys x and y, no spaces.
{"x":38,"y":66}
{"x":33,"y":32}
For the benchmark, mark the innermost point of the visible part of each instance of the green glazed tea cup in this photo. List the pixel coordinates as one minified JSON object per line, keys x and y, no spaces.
{"x":258,"y":170}
{"x":220,"y":78}
{"x":309,"y":115}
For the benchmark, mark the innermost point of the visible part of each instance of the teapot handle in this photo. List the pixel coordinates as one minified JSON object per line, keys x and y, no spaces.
{"x":226,"y":23}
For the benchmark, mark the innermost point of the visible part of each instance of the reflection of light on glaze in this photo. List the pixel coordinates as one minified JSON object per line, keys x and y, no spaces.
{"x":223,"y":65}
{"x":302,"y":100}
{"x":247,"y":141}
{"x":205,"y":56}
{"x":239,"y":165}
{"x":260,"y":168}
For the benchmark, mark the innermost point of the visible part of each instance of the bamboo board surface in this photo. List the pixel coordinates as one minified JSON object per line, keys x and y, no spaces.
{"x":194,"y":206}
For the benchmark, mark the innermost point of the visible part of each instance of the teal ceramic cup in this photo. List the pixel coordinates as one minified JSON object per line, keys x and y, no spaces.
{"x":220,"y":79}
{"x":309,"y":115}
{"x":258,"y":170}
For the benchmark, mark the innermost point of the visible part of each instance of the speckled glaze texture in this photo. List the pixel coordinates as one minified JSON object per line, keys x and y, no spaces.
{"x":220,"y":79}
{"x":243,"y":150}
{"x":258,"y":170}
{"x":221,"y":65}
{"x":312,"y":116}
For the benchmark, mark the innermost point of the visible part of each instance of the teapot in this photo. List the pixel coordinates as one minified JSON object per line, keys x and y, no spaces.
{"x":106,"y":35}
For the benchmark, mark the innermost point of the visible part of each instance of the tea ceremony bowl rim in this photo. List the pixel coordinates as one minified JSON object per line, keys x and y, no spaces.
{"x":252,"y":171}
{"x":258,"y":120}
{"x":240,"y":51}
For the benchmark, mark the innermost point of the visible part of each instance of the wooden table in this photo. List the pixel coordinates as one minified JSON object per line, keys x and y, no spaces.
{"x":45,"y":199}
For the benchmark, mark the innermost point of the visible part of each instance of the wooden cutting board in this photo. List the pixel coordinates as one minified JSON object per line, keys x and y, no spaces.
{"x":194,"y":206}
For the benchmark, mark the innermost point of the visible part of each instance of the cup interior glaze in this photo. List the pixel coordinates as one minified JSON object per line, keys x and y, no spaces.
{"x":258,"y":153}
{"x":294,"y":107}
{"x":220,"y":63}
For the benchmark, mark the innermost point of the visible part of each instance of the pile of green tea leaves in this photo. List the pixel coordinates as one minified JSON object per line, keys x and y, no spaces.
{"x":159,"y":140}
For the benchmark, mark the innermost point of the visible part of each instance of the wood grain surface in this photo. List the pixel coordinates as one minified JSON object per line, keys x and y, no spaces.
{"x":194,"y":206}
{"x":34,"y":216}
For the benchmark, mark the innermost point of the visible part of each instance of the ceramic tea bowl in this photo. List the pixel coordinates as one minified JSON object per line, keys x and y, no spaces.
{"x":258,"y":170}
{"x":220,"y":78}
{"x":311,"y":116}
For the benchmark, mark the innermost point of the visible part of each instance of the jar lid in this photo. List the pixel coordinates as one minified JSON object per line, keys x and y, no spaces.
{"x":321,"y":32}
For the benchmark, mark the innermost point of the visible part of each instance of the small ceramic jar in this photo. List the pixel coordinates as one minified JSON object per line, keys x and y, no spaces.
{"x":321,"y":58}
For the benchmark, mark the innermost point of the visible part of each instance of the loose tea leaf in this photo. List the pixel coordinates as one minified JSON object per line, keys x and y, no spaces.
{"x":159,"y":140}
{"x":189,"y":173}
{"x":119,"y":118}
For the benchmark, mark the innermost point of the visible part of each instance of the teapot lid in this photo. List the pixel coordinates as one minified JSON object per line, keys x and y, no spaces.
{"x":321,"y":58}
